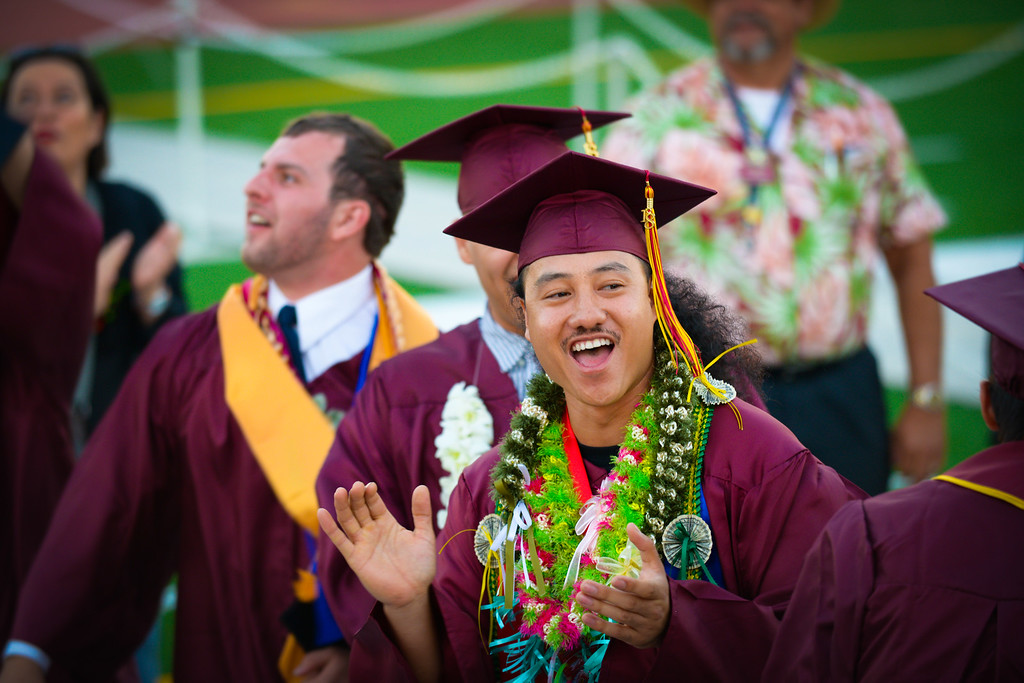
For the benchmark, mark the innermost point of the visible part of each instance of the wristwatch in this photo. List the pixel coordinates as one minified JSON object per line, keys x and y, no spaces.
{"x":159,"y":302}
{"x":928,"y":396}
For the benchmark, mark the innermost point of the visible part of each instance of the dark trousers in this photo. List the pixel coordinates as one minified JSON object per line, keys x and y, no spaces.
{"x":837,"y":410}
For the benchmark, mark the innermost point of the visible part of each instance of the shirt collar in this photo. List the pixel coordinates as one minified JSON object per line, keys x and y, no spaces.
{"x":508,"y":348}
{"x":324,"y":310}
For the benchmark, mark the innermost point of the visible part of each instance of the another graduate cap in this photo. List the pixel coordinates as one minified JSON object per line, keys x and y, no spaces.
{"x":995,"y":302}
{"x":502,"y":143}
{"x":579,"y":204}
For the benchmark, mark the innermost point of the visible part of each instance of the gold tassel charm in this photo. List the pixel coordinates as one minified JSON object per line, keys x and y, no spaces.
{"x":589,"y":146}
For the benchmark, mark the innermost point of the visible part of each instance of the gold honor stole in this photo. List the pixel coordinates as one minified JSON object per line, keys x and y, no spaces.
{"x":286,"y":431}
{"x":984,"y":490}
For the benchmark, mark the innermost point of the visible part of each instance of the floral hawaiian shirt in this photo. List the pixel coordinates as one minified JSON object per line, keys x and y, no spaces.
{"x":844,"y":186}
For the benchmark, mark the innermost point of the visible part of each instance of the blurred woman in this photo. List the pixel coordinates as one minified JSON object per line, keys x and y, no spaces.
{"x":58,"y":93}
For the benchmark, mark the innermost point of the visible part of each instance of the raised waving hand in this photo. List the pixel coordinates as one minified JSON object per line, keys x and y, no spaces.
{"x":394,"y":564}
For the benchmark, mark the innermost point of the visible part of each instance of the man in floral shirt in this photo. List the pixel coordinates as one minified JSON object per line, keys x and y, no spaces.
{"x":814,"y":176}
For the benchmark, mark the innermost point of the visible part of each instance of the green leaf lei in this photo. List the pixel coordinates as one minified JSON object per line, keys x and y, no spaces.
{"x":655,"y":478}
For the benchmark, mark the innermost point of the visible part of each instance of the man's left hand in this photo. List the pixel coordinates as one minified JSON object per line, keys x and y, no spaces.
{"x":639,"y":608}
{"x":326,"y":665}
{"x":918,"y":443}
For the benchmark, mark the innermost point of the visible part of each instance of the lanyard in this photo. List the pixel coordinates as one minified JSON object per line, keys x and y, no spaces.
{"x":741,"y":114}
{"x":757,"y":167}
{"x":326,"y":629}
{"x":364,"y":365}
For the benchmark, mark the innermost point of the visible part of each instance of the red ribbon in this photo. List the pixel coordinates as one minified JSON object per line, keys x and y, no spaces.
{"x":576,"y":468}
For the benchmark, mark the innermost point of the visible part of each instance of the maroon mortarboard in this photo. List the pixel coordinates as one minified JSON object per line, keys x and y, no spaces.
{"x":500,"y":144}
{"x":576,"y":204}
{"x":995,"y":302}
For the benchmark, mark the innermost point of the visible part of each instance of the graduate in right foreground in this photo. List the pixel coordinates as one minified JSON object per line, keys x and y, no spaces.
{"x":925,"y":583}
{"x":638,"y":521}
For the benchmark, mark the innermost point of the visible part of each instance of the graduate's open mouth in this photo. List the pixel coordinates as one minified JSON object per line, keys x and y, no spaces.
{"x":592,"y":352}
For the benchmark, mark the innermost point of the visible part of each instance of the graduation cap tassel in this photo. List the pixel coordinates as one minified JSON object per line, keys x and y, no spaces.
{"x":589,"y":146}
{"x":678,"y":341}
{"x":676,"y":338}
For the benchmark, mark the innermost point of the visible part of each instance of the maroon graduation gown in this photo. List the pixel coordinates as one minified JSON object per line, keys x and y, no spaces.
{"x":47,"y":268}
{"x":388,"y":437}
{"x":168,"y":484}
{"x":921,"y":584}
{"x":768,"y":498}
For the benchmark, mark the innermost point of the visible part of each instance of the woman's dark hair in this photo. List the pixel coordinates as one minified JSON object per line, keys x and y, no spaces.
{"x":361,"y":172}
{"x":1009,"y":412}
{"x":712,"y":327}
{"x":97,"y":160}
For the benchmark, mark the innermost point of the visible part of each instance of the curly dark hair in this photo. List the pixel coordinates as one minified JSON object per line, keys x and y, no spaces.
{"x":712,"y":327}
{"x":361,"y":172}
{"x":98,"y":157}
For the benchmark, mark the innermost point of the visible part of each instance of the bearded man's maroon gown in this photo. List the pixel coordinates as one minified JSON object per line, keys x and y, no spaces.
{"x":168,"y":485}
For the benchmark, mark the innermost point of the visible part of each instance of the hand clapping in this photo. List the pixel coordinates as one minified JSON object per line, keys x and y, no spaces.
{"x":639,"y":607}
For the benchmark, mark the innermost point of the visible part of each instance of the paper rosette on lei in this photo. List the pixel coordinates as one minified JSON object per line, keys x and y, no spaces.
{"x":727,"y":395}
{"x":695,"y":534}
{"x":485,"y":533}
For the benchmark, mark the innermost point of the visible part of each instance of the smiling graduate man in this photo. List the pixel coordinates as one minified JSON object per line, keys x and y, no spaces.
{"x":692,"y":510}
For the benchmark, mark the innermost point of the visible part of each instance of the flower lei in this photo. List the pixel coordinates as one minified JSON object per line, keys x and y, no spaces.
{"x":655,"y":478}
{"x":467,"y":432}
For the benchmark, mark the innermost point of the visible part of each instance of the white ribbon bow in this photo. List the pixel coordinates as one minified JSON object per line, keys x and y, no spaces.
{"x":520,"y":522}
{"x":586,"y":526}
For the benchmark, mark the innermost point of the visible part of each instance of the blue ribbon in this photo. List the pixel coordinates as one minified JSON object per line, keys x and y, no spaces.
{"x":327,"y":630}
{"x":364,"y":365}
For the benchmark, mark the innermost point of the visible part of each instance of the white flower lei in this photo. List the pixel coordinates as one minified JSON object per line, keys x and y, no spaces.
{"x":467,"y":432}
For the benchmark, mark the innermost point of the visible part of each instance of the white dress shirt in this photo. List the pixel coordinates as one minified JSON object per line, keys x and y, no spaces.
{"x":514,"y":354}
{"x":334,"y":323}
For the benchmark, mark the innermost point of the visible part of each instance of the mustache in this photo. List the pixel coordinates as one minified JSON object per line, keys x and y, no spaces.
{"x":755,"y":18}
{"x":584,"y":332}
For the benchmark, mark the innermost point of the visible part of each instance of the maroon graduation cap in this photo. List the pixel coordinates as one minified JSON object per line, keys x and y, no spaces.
{"x":995,"y":302}
{"x":576,"y":204}
{"x":500,"y":144}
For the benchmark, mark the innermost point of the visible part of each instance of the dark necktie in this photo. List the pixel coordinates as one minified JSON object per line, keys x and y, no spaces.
{"x":288,"y":320}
